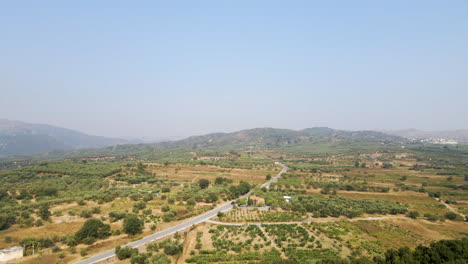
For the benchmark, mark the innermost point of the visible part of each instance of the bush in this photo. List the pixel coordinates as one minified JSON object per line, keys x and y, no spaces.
{"x":117,"y":215}
{"x":6,"y":220}
{"x":171,"y":247}
{"x":158,"y":258}
{"x":89,"y":240}
{"x":71,"y":241}
{"x":38,"y":222}
{"x":413,"y":214}
{"x":450,"y":215}
{"x":86,"y":214}
{"x":125,"y":252}
{"x":139,"y":258}
{"x":83,"y":252}
{"x":165,"y":208}
{"x":132,"y":224}
{"x":44,"y":212}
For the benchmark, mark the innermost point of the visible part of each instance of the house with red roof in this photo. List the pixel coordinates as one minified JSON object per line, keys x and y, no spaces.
{"x":258,"y":201}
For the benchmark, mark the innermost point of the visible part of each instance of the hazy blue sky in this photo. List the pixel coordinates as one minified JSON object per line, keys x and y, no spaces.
{"x":143,"y":68}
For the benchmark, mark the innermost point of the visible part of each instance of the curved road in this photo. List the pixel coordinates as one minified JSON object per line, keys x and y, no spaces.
{"x":158,"y":235}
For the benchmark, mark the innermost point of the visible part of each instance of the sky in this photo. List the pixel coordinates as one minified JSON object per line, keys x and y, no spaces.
{"x":172,"y":69}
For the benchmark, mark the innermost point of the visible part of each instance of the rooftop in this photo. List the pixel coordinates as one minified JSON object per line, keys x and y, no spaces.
{"x":9,"y":250}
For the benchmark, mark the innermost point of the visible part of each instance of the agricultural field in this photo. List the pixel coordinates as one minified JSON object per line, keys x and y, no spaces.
{"x":336,"y":206}
{"x":53,"y":200}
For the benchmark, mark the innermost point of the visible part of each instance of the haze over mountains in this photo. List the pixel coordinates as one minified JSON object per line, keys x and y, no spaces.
{"x":460,"y":135}
{"x":20,"y":138}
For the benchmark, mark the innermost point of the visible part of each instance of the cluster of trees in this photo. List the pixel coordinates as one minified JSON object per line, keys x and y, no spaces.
{"x":347,"y":186}
{"x":444,"y":251}
{"x":137,"y":179}
{"x":91,"y":230}
{"x":152,"y":256}
{"x":58,"y":169}
{"x":241,"y":189}
{"x":222,"y":180}
{"x":141,"y":258}
{"x":333,"y":205}
{"x":222,"y":256}
{"x":337,"y":205}
{"x":201,"y":193}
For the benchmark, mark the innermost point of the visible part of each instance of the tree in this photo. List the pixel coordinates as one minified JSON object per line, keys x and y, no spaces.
{"x":356,"y":164}
{"x":268,"y":177}
{"x":203,"y":183}
{"x":93,"y":228}
{"x":158,"y":258}
{"x":44,"y":212}
{"x":132,"y":224}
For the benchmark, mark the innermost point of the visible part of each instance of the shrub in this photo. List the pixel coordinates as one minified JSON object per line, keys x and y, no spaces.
{"x":450,"y":215}
{"x":158,"y":258}
{"x":86,"y":214}
{"x":44,"y":212}
{"x":132,"y":224}
{"x":117,"y":215}
{"x":413,"y":214}
{"x":171,"y":247}
{"x":38,"y":222}
{"x":139,"y":258}
{"x":165,"y":208}
{"x":125,"y":252}
{"x":88,"y":240}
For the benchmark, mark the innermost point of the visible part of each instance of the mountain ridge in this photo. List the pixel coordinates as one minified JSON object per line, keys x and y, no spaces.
{"x":22,"y":138}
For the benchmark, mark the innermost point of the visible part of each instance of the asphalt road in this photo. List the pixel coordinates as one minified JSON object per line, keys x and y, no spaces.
{"x":166,"y":232}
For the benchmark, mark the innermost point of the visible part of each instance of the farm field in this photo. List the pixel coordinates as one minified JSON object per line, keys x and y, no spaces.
{"x":326,"y":207}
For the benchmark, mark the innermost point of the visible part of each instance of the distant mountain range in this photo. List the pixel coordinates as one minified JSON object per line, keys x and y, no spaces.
{"x":460,"y":135}
{"x":20,"y":138}
{"x":257,"y":137}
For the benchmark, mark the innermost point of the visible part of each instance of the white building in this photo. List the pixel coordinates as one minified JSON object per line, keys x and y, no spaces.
{"x":12,"y":253}
{"x":287,"y":198}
